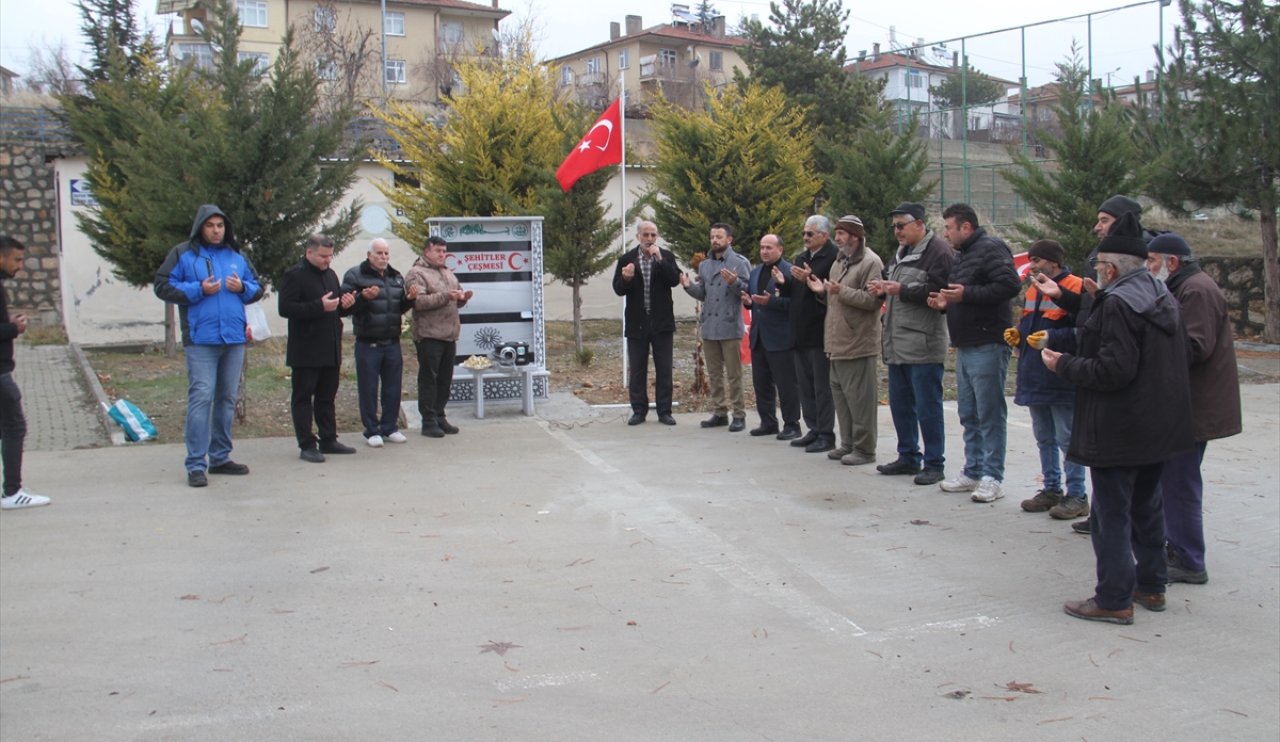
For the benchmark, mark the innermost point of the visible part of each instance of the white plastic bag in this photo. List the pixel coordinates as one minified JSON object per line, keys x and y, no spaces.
{"x":256,"y":318}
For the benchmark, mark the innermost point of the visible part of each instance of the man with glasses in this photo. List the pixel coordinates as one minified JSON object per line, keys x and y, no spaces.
{"x":808,"y":318}
{"x":978,"y":305}
{"x":915,"y":343}
{"x":645,"y":276}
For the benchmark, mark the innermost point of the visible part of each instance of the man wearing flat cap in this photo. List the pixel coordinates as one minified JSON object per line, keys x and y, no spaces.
{"x":1132,"y":413}
{"x":914,"y":342}
{"x":1215,"y":399}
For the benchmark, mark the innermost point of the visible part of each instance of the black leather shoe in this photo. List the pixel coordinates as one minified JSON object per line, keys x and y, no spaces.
{"x":433,"y":431}
{"x":448,"y":427}
{"x":820,"y":444}
{"x":715,"y":421}
{"x":789,"y":432}
{"x":667,"y":419}
{"x":311,"y":455}
{"x":929,"y":476}
{"x":738,"y":425}
{"x":197,"y":479}
{"x":899,"y":466}
{"x":635,"y":419}
{"x":229,"y":467}
{"x":336,"y":448}
{"x":1081,"y":526}
{"x":805,"y":440}
{"x":764,"y":430}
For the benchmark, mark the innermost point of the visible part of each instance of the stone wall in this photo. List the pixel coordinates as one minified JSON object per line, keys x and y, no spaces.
{"x":1243,"y":283}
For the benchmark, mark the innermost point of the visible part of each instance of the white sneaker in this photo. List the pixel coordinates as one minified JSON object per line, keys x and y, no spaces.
{"x":22,"y":499}
{"x":988,"y":490}
{"x":397,"y":437}
{"x":959,"y":483}
{"x":374,"y":441}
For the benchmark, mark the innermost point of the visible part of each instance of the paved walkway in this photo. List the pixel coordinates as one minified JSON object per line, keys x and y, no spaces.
{"x":61,"y":411}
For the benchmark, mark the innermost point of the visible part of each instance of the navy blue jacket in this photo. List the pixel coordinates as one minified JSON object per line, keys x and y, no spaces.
{"x":770,"y":323}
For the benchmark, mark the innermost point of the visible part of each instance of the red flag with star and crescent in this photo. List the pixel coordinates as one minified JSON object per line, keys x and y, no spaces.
{"x":601,"y":147}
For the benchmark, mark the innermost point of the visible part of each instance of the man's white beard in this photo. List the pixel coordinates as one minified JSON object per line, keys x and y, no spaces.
{"x":1163,"y":273}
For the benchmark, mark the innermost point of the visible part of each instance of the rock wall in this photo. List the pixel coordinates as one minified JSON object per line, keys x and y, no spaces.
{"x":1243,"y":283}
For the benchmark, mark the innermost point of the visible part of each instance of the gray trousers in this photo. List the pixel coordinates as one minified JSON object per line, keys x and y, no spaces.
{"x":853,"y":392}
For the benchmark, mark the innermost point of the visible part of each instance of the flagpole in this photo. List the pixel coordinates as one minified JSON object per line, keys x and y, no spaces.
{"x":622,"y":118}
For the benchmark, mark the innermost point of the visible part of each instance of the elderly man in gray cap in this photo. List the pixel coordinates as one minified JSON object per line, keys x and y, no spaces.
{"x":1215,"y":399}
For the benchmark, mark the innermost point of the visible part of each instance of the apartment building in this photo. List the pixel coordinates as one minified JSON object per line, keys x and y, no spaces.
{"x":344,"y":40}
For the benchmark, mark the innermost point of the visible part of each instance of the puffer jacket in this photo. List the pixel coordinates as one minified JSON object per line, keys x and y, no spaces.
{"x":984,"y":266}
{"x":1038,"y":385}
{"x":852,"y":327}
{"x":435,"y":315}
{"x":207,"y":320}
{"x":378,"y":319}
{"x":913,"y":331}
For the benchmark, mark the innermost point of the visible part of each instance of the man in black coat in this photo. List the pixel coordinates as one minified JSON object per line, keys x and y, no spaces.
{"x":644,"y":276}
{"x":381,"y":301}
{"x":773,"y":364}
{"x":312,"y":300}
{"x":1132,"y":413}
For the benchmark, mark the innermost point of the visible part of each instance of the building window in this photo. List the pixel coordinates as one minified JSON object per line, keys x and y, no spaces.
{"x":199,"y":56}
{"x":915,"y":79}
{"x":452,"y":33}
{"x":624,"y":59}
{"x":326,"y":20}
{"x":395,"y":74}
{"x":261,"y":61}
{"x":327,"y":68}
{"x":593,"y":66}
{"x":667,"y":57}
{"x":717,"y":60}
{"x":566,"y":75}
{"x":394,"y":24}
{"x":253,"y":13}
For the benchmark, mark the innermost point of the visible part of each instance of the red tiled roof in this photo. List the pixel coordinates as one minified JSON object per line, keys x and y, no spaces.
{"x":663,"y":31}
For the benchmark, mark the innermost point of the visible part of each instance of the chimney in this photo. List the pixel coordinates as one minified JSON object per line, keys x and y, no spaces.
{"x":495,"y":5}
{"x":634,"y":24}
{"x":955,"y":60}
{"x":875,"y":52}
{"x":615,"y":31}
{"x":717,"y":27}
{"x":1151,"y":75}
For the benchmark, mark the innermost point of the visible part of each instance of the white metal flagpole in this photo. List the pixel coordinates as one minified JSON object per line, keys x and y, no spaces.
{"x":622,"y":119}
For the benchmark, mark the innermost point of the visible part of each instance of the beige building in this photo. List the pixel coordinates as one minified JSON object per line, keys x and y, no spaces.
{"x":344,"y":40}
{"x":676,"y":58}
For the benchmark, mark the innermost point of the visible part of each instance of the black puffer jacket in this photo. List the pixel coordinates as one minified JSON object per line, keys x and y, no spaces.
{"x":984,"y":266}
{"x":1133,"y":397}
{"x":376,"y":320}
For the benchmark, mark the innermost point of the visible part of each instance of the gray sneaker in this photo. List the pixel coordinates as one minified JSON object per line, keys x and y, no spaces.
{"x":836,"y":454}
{"x":1070,"y":508}
{"x":1042,"y":501}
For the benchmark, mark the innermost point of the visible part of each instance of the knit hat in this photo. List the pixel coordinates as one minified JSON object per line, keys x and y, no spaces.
{"x":852,"y":225}
{"x":1125,"y":237}
{"x":1118,"y":205}
{"x":910,"y":209}
{"x":1169,"y":243}
{"x":1049,"y":250}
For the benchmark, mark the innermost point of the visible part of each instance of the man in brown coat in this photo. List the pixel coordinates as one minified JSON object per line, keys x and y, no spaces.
{"x":436,"y":327}
{"x":1215,"y":399}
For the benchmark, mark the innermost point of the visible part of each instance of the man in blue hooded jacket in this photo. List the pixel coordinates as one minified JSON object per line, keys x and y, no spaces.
{"x":211,"y":282}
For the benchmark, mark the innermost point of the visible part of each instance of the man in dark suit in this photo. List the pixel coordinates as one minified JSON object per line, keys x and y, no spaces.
{"x":312,"y":300}
{"x":645,"y":276}
{"x":773,"y":362}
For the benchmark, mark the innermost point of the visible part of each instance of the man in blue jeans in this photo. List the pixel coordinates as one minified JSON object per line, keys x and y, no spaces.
{"x":978,"y":302}
{"x":211,"y":282}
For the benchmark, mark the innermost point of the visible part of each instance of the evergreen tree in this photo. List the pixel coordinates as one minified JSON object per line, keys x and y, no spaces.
{"x":110,"y":26}
{"x":967,"y":87}
{"x":576,"y":235}
{"x":745,"y":160}
{"x":1093,"y":157}
{"x":1211,"y":138}
{"x":494,"y":153}
{"x":874,"y":172}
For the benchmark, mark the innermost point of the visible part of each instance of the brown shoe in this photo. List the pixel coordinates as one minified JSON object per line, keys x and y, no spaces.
{"x":1091,"y":611}
{"x":1042,"y":501}
{"x":1150,"y":601}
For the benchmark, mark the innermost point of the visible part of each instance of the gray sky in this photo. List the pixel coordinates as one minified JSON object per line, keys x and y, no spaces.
{"x":1122,"y":40}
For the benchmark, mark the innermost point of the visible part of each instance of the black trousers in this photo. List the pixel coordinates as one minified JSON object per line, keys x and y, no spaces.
{"x":813,"y":372}
{"x":314,"y":389}
{"x":663,"y":346}
{"x":13,"y":433}
{"x":1126,"y":524}
{"x":435,"y":377}
{"x":773,"y":374}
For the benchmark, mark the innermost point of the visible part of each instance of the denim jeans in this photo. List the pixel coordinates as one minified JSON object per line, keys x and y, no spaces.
{"x":213,"y":379}
{"x":915,"y":401}
{"x":1051,"y":425}
{"x":379,"y":365}
{"x":980,"y":374}
{"x":13,"y":432}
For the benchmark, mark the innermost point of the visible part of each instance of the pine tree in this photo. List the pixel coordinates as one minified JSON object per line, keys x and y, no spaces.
{"x":874,"y":172}
{"x":1093,"y":157}
{"x":109,"y":27}
{"x":745,"y":161}
{"x":493,"y":154}
{"x":576,"y":235}
{"x":967,"y":87}
{"x":1211,"y":138}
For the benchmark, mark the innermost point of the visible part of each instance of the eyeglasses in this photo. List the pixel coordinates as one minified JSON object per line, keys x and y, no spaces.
{"x":809,"y":234}
{"x":1094,"y":263}
{"x":902,"y":225}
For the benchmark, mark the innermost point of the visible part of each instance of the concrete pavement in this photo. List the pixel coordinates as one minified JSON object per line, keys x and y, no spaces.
{"x":568,"y":577}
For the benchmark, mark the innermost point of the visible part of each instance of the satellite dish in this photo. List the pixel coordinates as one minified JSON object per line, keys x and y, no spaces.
{"x":197,"y":26}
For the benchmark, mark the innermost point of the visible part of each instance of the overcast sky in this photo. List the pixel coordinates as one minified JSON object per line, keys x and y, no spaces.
{"x":1122,"y":40}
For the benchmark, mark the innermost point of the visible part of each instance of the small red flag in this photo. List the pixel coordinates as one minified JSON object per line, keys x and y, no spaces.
{"x":601,"y":147}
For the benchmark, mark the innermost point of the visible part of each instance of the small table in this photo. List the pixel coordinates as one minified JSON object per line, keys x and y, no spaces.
{"x":528,"y":371}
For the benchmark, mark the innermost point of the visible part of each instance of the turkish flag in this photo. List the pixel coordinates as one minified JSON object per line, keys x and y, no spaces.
{"x":601,"y":147}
